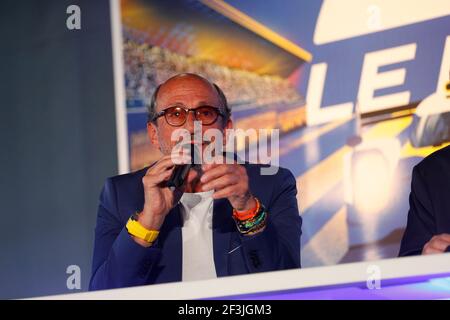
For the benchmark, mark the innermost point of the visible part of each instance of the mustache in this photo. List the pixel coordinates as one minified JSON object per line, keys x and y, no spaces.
{"x":192,"y":139}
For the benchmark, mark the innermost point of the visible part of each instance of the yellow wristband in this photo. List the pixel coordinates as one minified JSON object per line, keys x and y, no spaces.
{"x":136,"y":229}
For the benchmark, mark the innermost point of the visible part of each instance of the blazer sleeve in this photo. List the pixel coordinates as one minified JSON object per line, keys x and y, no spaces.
{"x":118,"y":261}
{"x":421,"y":225}
{"x":277,"y":247}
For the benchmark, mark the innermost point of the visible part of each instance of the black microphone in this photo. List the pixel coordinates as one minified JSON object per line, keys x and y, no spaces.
{"x":180,"y":172}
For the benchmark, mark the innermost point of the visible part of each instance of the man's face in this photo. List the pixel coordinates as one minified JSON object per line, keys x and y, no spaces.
{"x":188,"y":91}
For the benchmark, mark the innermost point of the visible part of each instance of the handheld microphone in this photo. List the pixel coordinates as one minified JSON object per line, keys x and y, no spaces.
{"x":180,"y":172}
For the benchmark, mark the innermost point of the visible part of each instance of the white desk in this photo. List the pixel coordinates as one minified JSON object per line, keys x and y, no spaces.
{"x":345,"y":281}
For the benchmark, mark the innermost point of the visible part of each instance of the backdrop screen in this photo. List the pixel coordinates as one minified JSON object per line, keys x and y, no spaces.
{"x":345,"y":95}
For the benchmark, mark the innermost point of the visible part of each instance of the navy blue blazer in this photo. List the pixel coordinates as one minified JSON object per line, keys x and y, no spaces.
{"x":429,"y":201}
{"x":118,"y":261}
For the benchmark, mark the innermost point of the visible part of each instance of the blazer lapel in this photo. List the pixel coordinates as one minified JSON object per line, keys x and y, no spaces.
{"x":172,"y":259}
{"x":222,"y":229}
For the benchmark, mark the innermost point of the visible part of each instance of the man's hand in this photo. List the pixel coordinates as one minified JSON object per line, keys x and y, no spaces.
{"x":159,"y":199}
{"x":229,"y":181}
{"x":437,"y":244}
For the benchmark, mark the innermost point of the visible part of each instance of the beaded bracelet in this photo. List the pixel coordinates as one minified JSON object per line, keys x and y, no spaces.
{"x":245,"y":229}
{"x":253,"y":224}
{"x":245,"y":215}
{"x":256,"y":230}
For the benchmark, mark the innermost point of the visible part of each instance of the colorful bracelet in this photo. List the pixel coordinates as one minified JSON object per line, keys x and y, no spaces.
{"x":248,"y":214}
{"x":253,"y":224}
{"x":256,"y":230}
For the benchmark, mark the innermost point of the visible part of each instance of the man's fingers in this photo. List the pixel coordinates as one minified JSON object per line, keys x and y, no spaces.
{"x":164,"y":168}
{"x":164,"y":176}
{"x":166,"y":162}
{"x":444,"y":236}
{"x":221,"y":182}
{"x":215,"y":172}
{"x":193,"y":174}
{"x":439,"y":244}
{"x":152,"y":180}
{"x":431,"y":250}
{"x":214,"y":162}
{"x":224,"y":193}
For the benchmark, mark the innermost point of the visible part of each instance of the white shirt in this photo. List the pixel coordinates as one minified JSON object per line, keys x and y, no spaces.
{"x":198,"y":256}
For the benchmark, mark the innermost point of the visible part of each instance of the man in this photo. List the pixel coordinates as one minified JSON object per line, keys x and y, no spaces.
{"x":428,"y":228}
{"x":227,"y":219}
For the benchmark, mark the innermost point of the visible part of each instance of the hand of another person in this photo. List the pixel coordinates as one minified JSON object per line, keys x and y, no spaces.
{"x":437,"y":244}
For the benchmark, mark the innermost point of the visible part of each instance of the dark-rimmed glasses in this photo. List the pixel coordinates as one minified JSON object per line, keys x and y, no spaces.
{"x":177,"y":115}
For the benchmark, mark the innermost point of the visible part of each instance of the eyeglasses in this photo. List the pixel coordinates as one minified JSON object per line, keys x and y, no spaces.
{"x":177,"y":115}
